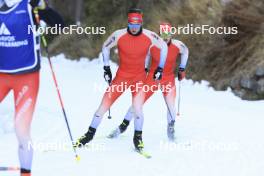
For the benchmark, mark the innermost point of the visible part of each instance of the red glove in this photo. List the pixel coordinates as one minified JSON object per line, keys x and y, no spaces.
{"x":181,"y":74}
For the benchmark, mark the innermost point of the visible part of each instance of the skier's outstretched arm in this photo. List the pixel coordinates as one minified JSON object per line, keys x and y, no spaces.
{"x":108,"y":44}
{"x":163,"y":53}
{"x":47,"y":14}
{"x":158,"y":42}
{"x":184,"y":51}
{"x":41,"y":4}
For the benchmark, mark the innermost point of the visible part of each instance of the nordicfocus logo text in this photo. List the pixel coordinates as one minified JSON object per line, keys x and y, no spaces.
{"x":190,"y":29}
{"x":4,"y":30}
{"x":8,"y":40}
{"x":58,"y":29}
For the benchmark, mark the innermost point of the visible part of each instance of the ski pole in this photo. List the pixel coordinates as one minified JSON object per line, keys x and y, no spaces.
{"x":166,"y":103}
{"x":2,"y":168}
{"x":43,"y":39}
{"x":109,"y":114}
{"x":109,"y":111}
{"x":168,"y":108}
{"x":179,"y":99}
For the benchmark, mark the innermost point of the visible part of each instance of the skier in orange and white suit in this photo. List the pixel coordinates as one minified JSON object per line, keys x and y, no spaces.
{"x":133,"y":45}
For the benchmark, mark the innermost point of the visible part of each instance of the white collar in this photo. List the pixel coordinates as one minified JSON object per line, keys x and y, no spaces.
{"x":11,"y":3}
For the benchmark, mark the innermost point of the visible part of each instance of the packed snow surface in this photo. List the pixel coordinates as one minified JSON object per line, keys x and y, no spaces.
{"x":217,"y":133}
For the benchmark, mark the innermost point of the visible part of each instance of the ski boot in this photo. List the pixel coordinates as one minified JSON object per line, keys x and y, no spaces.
{"x":86,"y":138}
{"x":120,"y":129}
{"x":138,"y":143}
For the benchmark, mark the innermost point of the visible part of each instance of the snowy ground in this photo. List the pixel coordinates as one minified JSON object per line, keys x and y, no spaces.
{"x":217,"y":133}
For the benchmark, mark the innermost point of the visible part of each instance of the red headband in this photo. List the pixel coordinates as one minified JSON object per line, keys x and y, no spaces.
{"x":165,"y":28}
{"x":135,"y":18}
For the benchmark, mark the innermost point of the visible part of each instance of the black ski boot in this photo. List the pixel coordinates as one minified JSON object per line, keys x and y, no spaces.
{"x":86,"y":138}
{"x":171,"y":131}
{"x":138,"y":143}
{"x":120,"y":129}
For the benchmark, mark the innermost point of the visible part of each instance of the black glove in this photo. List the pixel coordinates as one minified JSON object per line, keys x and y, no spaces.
{"x":107,"y":74}
{"x":146,"y":70}
{"x":51,"y":17}
{"x":158,"y":74}
{"x":181,"y":74}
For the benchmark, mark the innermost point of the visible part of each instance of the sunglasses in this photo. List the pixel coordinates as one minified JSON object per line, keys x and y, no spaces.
{"x":137,"y":26}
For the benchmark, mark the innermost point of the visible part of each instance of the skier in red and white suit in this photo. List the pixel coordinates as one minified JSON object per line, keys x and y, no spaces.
{"x":167,"y":84}
{"x":133,"y":45}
